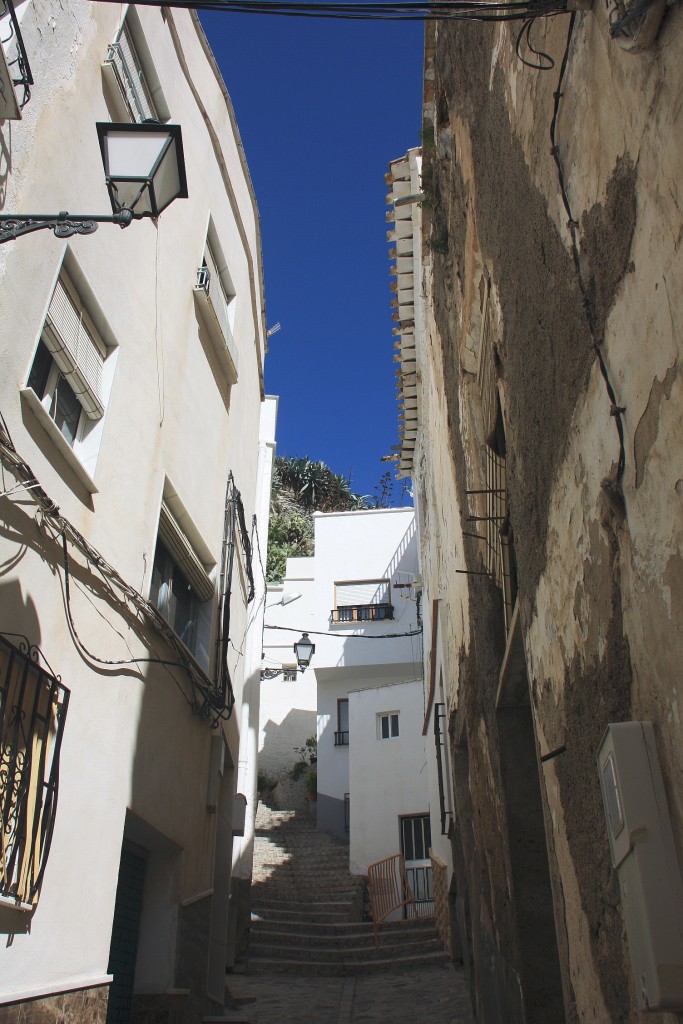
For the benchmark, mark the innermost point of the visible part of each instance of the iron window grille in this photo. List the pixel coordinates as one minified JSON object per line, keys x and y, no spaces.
{"x":17,"y":58}
{"x":33,"y":706}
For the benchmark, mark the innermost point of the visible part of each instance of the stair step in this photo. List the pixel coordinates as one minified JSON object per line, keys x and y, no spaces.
{"x":314,"y":954}
{"x":424,"y":926}
{"x":257,"y":964}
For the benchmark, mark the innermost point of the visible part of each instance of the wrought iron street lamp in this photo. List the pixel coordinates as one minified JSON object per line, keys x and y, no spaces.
{"x":144,"y":170}
{"x":304,"y":651}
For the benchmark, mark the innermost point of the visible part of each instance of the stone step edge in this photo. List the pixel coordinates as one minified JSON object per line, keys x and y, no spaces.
{"x":419,"y":926}
{"x":352,"y":952}
{"x":392,"y":962}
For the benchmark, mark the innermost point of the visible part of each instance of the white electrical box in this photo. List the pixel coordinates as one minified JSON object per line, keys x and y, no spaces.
{"x":644,"y":854}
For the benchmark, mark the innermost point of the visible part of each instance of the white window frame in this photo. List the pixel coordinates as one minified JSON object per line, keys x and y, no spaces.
{"x":190,"y":555}
{"x":84,"y":353}
{"x":392,"y":719}
{"x":216,"y":299}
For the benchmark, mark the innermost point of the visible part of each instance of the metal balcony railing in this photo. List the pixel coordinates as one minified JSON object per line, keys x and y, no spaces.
{"x":362,"y":613}
{"x":341,"y":739}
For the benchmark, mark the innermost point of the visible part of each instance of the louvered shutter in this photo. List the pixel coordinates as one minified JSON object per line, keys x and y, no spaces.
{"x":75,"y":350}
{"x":184,"y":555}
{"x":355,"y":594}
{"x":134,"y":84}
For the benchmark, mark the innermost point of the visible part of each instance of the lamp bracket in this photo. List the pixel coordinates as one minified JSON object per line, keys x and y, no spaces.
{"x":63,"y":224}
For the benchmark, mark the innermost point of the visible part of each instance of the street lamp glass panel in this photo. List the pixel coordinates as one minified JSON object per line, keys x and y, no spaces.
{"x":144,"y":166}
{"x":304,"y":651}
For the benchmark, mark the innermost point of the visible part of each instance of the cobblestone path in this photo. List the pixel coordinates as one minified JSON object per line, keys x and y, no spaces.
{"x":291,"y":860}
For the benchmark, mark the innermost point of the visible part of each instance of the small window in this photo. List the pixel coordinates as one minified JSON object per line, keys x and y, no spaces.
{"x":215,"y":296}
{"x":289,"y":673}
{"x":362,"y":601}
{"x":129,"y":68}
{"x":71,"y":375}
{"x":181,"y":588}
{"x":387,"y":725}
{"x":341,"y":736}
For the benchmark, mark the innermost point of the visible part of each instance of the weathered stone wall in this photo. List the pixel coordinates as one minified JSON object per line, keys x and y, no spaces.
{"x":441,"y":908}
{"x":586,"y":338}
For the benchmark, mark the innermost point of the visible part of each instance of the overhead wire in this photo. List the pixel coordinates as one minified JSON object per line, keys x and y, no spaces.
{"x":393,"y":10}
{"x":615,"y":409}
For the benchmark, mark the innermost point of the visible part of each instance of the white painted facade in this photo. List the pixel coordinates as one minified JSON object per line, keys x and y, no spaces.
{"x":288,"y":699}
{"x":366,"y":556}
{"x":137,"y":763}
{"x":388,"y":775}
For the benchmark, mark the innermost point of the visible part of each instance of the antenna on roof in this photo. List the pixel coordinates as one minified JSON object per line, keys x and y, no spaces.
{"x":273,"y":330}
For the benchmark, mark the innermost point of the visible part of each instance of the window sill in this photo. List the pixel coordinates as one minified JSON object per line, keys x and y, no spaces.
{"x":11,"y":904}
{"x":55,"y":435}
{"x":223,"y":346}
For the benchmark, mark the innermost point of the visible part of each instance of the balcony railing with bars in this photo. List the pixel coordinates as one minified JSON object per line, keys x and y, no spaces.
{"x":33,"y":706}
{"x":341,"y":739}
{"x":362,"y":613}
{"x":209,"y":291}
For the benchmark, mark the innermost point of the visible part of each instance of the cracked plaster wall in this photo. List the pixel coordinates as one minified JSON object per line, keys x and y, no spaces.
{"x":600,"y":573}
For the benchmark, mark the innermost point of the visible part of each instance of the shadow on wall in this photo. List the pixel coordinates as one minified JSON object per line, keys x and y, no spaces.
{"x":277,"y":753}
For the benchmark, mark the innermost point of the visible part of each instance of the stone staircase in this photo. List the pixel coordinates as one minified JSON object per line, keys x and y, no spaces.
{"x":307,"y":909}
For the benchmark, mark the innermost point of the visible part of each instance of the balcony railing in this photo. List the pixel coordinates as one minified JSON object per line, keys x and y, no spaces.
{"x":362,"y":613}
{"x":33,"y":705}
{"x":214,"y":301}
{"x":341,"y":739}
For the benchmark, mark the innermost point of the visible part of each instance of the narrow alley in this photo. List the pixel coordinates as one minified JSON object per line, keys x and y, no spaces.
{"x":308,"y":924}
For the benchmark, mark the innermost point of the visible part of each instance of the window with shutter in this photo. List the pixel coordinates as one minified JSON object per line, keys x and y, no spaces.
{"x":67,"y":370}
{"x":132,"y":81}
{"x":362,"y":601}
{"x":182,"y":590}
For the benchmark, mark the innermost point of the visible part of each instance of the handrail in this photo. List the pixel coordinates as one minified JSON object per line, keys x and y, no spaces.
{"x":388,"y":889}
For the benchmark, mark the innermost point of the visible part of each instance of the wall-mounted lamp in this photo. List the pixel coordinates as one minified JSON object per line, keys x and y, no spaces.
{"x":304,"y":651}
{"x":144,"y":171}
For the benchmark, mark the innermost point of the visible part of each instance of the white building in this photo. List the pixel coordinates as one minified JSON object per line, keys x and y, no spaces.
{"x":358,"y":603}
{"x":131,"y":390}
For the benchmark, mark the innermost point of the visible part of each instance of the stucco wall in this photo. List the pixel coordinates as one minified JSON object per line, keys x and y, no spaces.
{"x":131,"y":739}
{"x":387,"y":776}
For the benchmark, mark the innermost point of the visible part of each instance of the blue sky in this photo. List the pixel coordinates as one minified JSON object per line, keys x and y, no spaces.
{"x":322,"y":107}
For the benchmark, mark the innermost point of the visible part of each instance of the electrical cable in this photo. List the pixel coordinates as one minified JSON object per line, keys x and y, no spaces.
{"x":60,"y":530}
{"x":615,"y":410}
{"x":545,"y":61}
{"x":409,"y":10}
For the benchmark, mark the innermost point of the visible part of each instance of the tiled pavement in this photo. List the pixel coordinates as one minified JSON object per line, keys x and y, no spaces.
{"x":434,"y":994}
